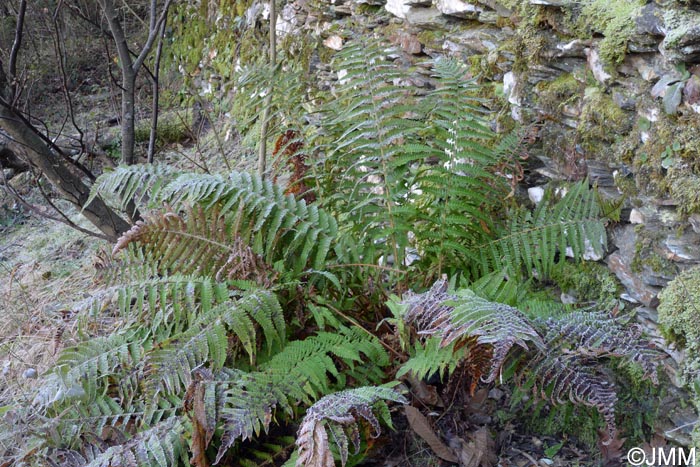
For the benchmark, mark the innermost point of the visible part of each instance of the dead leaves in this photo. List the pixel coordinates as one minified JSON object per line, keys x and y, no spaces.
{"x":478,"y":451}
{"x":422,"y":427}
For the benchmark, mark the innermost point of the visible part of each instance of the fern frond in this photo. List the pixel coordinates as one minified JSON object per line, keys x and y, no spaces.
{"x":340,"y":413}
{"x":137,"y":183}
{"x":455,"y":317}
{"x":431,"y":357}
{"x":534,"y":240}
{"x":161,"y":446}
{"x":242,"y":403}
{"x":234,"y":221}
{"x":595,"y":334}
{"x":200,"y":245}
{"x":91,"y":362}
{"x":171,"y":366}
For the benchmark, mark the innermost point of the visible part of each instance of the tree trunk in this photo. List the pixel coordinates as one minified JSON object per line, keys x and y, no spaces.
{"x":69,"y":184}
{"x":128,"y":119}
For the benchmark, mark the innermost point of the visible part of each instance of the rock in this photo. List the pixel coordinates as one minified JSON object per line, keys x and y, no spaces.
{"x":408,"y":42}
{"x":596,"y":66}
{"x":458,"y":8}
{"x":694,"y":220}
{"x":637,"y":289}
{"x":535,"y":194}
{"x":428,"y":18}
{"x":649,"y":21}
{"x":647,"y":66}
{"x":479,"y":40}
{"x":589,"y":253}
{"x":682,"y":35}
{"x":683,"y":248}
{"x":558,"y":3}
{"x":623,"y":101}
{"x":334,"y":42}
{"x":691,"y":91}
{"x":30,"y":373}
{"x":620,"y":263}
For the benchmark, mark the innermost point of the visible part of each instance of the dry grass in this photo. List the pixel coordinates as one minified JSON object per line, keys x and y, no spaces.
{"x":44,"y":268}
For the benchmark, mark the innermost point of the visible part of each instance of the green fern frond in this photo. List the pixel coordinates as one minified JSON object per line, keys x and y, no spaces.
{"x":171,"y":366}
{"x":534,"y":240}
{"x":431,"y":357}
{"x":91,"y":362}
{"x":340,"y":413}
{"x":233,"y":220}
{"x":242,"y":403}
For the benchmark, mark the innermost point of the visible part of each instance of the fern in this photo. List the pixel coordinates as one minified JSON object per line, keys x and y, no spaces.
{"x":242,"y":403}
{"x":134,"y":183}
{"x":535,"y":240}
{"x":159,"y":446}
{"x":339,"y":413}
{"x":367,"y":159}
{"x":565,"y":364}
{"x":237,"y":219}
{"x":464,"y":315}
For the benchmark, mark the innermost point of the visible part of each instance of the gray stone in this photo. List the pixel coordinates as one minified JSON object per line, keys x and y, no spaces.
{"x":596,"y":66}
{"x":623,"y":101}
{"x":683,"y":248}
{"x":30,"y":373}
{"x":428,"y":18}
{"x":458,"y":8}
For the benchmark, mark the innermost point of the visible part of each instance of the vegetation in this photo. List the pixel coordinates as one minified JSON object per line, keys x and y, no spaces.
{"x":279,"y":316}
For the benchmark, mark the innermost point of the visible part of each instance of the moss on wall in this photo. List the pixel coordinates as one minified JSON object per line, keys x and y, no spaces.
{"x":588,"y":282}
{"x":679,"y":316}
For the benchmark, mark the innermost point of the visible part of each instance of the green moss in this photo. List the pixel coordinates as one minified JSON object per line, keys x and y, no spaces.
{"x":679,"y":309}
{"x":679,"y":316}
{"x":602,"y":123}
{"x":559,"y":92}
{"x":587,"y":281}
{"x":615,"y":19}
{"x":684,"y":187}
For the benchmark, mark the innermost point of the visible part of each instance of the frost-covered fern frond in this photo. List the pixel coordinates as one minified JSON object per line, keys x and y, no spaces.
{"x":139,"y":183}
{"x":596,"y":334}
{"x":161,"y":446}
{"x":534,"y":240}
{"x":577,"y":343}
{"x":463,"y":315}
{"x":340,"y":413}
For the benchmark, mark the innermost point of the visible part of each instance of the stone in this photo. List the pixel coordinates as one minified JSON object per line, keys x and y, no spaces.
{"x":623,"y":101}
{"x":398,"y":8}
{"x":30,"y":373}
{"x":691,"y":91}
{"x":428,"y":18}
{"x":479,"y":40}
{"x":682,"y":35}
{"x":408,"y":42}
{"x":620,"y":263}
{"x":458,"y":8}
{"x":596,"y":66}
{"x":536,"y":193}
{"x":683,"y":248}
{"x":694,"y":220}
{"x":334,"y":42}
